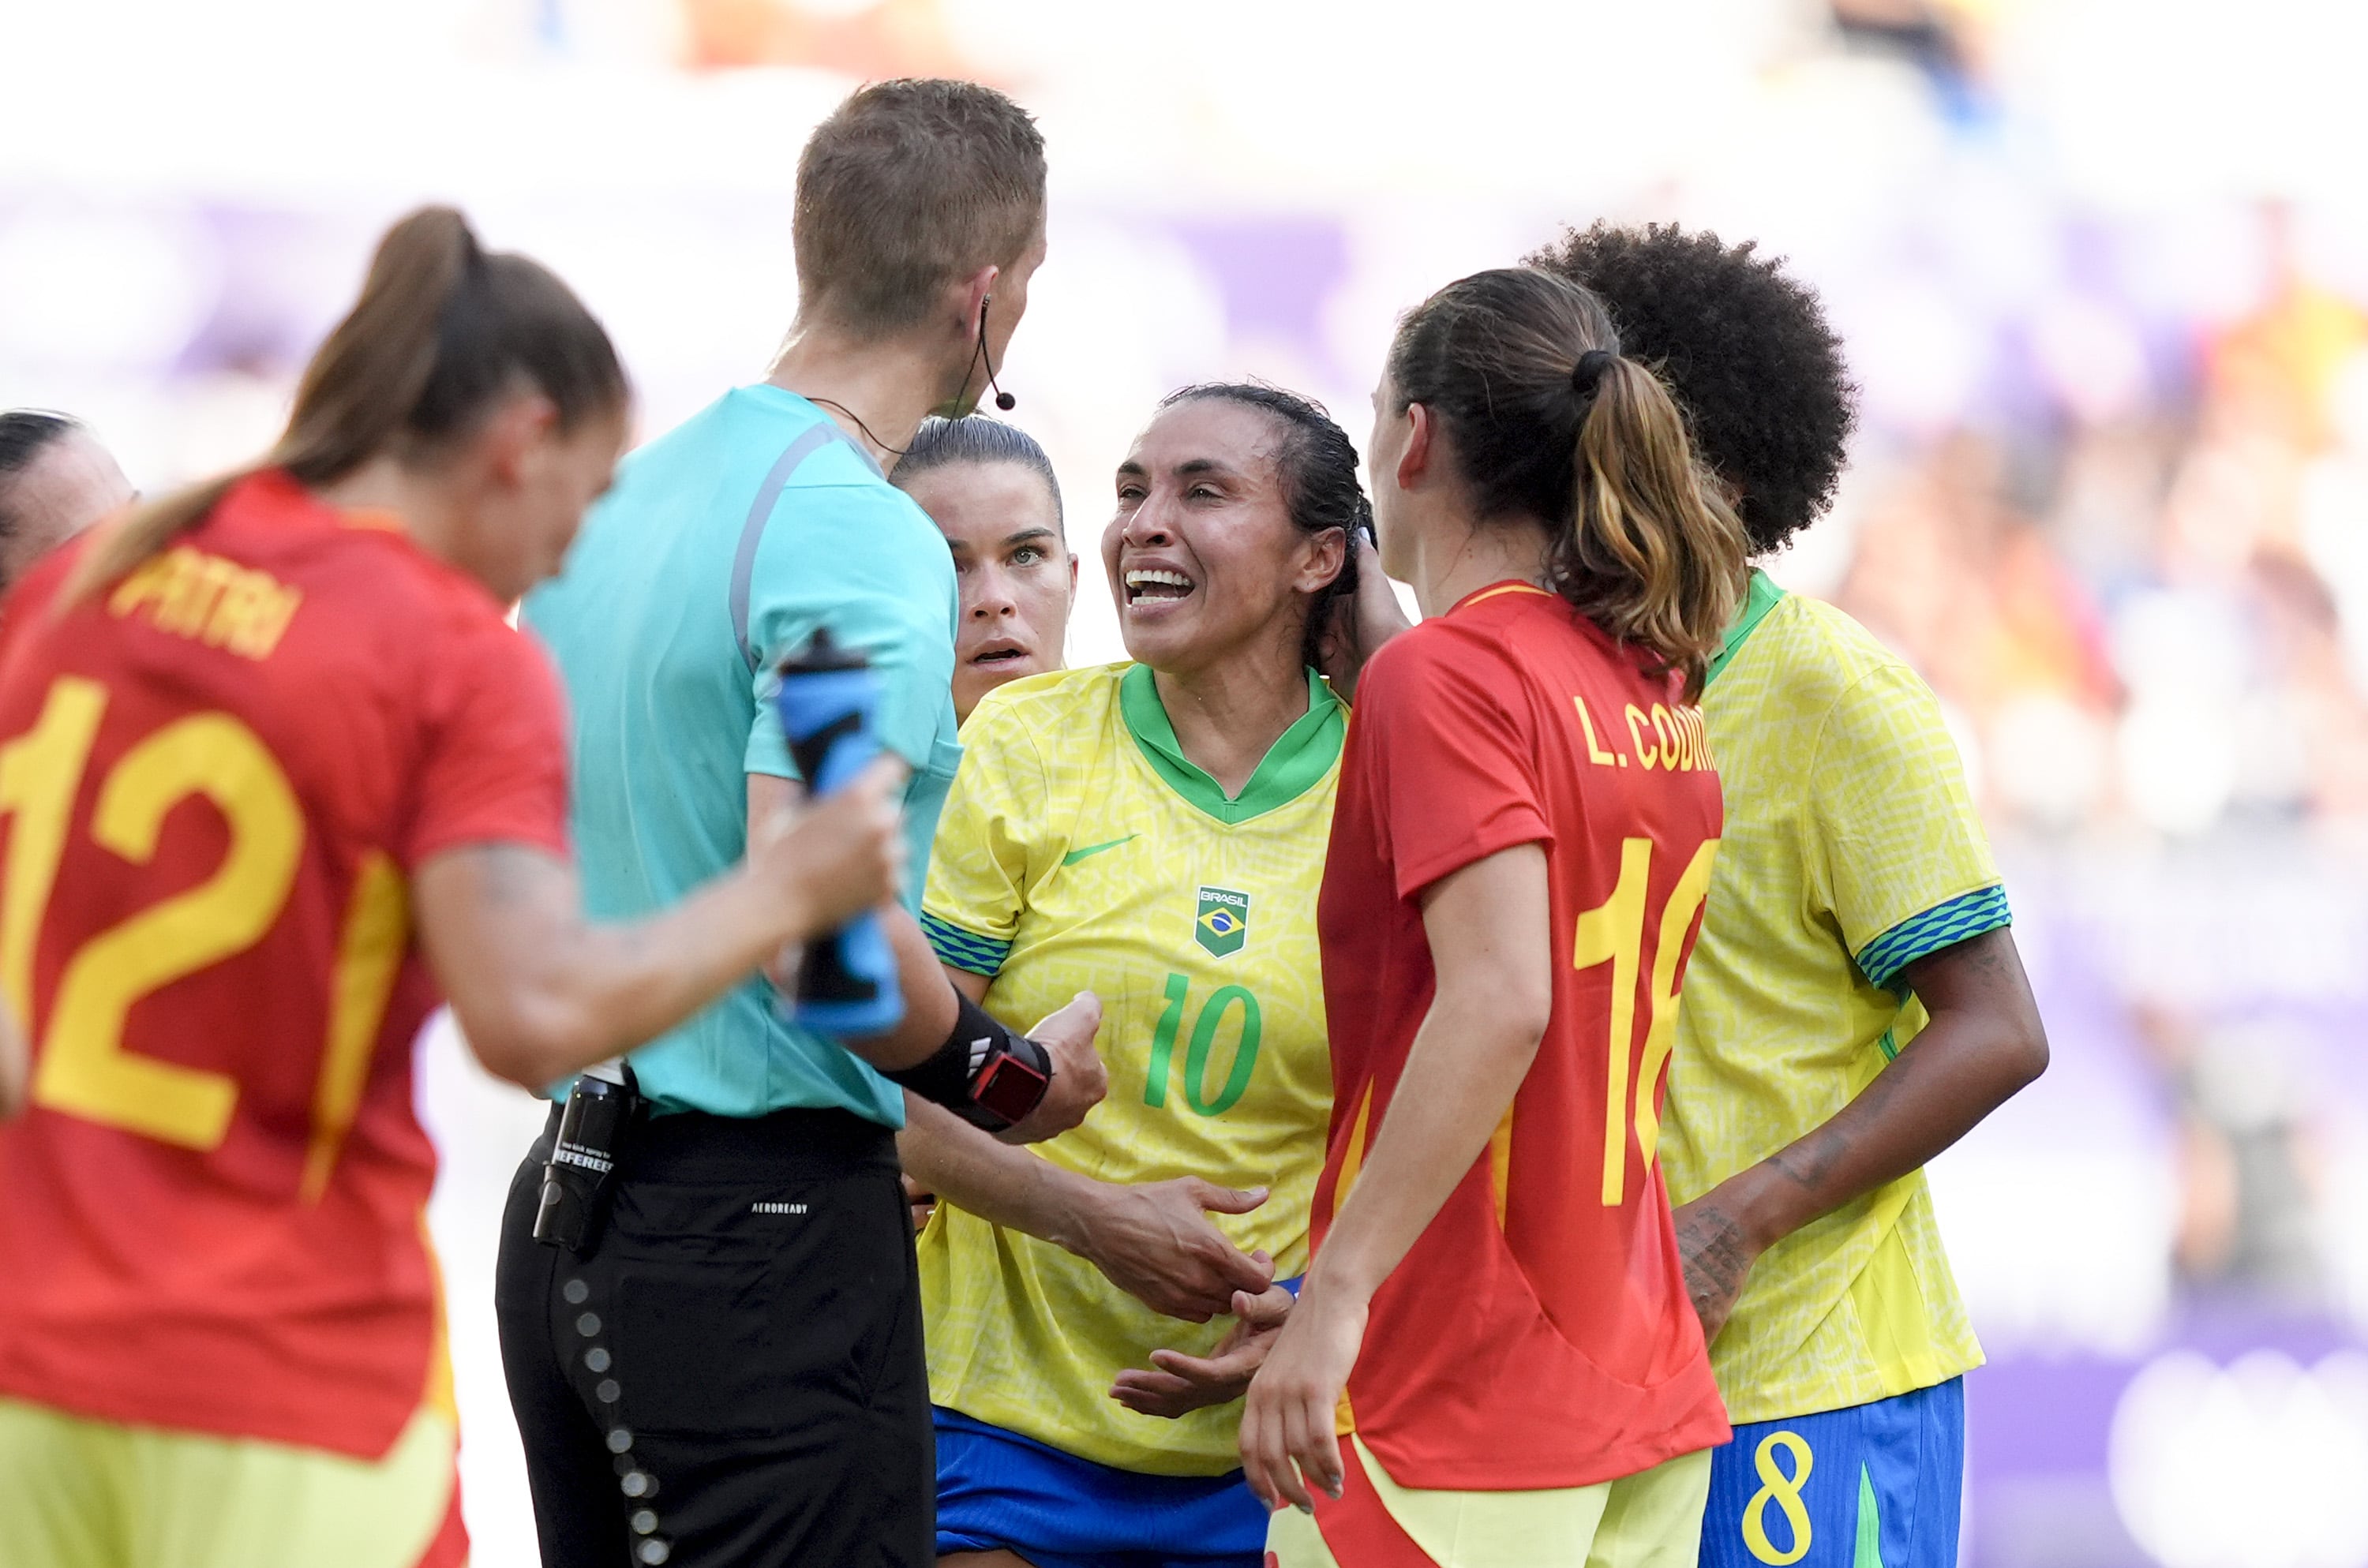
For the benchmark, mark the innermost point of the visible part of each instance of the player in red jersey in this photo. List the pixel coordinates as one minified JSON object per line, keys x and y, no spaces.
{"x":275,"y":771}
{"x":1496,"y":1318}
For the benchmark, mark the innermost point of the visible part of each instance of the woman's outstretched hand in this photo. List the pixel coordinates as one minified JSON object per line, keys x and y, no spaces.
{"x":1288,"y":1439}
{"x":1176,"y":1385}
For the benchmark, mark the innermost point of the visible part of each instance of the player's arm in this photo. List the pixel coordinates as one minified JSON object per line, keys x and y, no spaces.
{"x":890,"y":605}
{"x":1153,"y":1241}
{"x":880,"y":605}
{"x":541,"y":993}
{"x":931,"y":1006}
{"x":1488,"y":929}
{"x":928,"y":1006}
{"x":1985,"y":1042}
{"x":1361,"y":623}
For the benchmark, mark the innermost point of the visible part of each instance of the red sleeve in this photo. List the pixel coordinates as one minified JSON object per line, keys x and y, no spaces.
{"x":495,"y":768}
{"x":1452,"y":775}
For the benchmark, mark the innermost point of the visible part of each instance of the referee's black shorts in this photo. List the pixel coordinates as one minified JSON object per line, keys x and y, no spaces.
{"x":734,"y":1376}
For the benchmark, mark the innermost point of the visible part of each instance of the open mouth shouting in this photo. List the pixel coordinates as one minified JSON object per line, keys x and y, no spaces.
{"x":1154,"y":585}
{"x":1000,"y":653}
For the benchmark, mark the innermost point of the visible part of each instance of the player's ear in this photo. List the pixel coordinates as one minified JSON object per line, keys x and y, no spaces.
{"x":517,"y":438}
{"x":971,"y":296}
{"x":1414,"y":463}
{"x":1328,"y":553}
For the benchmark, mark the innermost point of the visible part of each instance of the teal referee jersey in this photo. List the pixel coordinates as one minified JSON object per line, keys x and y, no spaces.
{"x":726,"y":543}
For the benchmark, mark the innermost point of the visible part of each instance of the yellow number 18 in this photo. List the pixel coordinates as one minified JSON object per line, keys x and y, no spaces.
{"x":1613,"y":933}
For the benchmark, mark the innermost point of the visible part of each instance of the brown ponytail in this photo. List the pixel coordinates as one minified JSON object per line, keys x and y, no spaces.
{"x":442,"y":332}
{"x":1551,"y":423}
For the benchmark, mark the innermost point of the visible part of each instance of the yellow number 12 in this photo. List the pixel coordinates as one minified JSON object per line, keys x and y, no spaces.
{"x":84,"y":1070}
{"x":1613,"y":933}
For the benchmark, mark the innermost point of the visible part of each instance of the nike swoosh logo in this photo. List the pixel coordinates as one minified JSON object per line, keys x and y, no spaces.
{"x":1090,"y":850}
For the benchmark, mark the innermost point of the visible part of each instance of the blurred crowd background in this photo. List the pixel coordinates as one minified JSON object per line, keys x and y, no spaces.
{"x":2102,"y":270}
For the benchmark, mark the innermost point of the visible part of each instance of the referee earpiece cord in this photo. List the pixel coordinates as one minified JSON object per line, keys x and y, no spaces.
{"x":1003,"y":399}
{"x":860,"y":425}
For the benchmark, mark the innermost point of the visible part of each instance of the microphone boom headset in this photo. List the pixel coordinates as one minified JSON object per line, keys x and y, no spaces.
{"x":1003,"y":399}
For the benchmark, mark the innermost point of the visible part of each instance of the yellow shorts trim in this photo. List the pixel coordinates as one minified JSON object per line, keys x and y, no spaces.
{"x":1651,"y":1519}
{"x":82,"y":1493}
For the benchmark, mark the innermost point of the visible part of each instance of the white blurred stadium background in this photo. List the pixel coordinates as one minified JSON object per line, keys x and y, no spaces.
{"x":2102,"y":266}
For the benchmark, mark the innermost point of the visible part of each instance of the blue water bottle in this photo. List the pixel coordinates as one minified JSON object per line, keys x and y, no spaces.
{"x":827,"y":699}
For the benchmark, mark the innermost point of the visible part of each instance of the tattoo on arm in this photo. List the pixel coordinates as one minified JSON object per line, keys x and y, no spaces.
{"x":1716,"y":1258}
{"x":1982,"y":1044}
{"x":1809,"y":1162}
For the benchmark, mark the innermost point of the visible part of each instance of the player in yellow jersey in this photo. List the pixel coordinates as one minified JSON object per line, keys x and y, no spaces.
{"x":991,"y":491}
{"x":1855,"y":1004}
{"x":1153,"y":832}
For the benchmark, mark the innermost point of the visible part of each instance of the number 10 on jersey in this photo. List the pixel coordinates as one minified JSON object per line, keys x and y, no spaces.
{"x":1613,"y":933}
{"x":1201,"y":1046}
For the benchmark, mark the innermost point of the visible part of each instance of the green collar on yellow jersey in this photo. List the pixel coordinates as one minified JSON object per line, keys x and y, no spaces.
{"x":1293,"y":765}
{"x":1758,"y":600}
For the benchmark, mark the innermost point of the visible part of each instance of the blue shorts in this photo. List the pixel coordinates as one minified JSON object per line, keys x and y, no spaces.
{"x":997,"y":1489}
{"x":1877,"y":1485}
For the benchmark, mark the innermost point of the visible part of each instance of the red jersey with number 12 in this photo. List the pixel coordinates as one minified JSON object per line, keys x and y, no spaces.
{"x":216,"y":778}
{"x":1538,"y":1335}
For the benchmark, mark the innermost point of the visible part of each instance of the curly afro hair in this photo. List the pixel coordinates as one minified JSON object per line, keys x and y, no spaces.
{"x":1745,"y":348}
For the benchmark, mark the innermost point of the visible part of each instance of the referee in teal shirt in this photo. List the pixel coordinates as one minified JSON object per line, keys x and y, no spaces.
{"x":707,"y":548}
{"x":732,"y":1372}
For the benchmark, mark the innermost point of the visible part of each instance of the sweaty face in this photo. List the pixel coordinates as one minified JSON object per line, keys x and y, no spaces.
{"x":70,"y":484}
{"x":1017,"y":578}
{"x":1203,"y":558}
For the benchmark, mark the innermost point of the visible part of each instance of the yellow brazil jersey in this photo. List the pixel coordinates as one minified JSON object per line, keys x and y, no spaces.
{"x":1080,"y":850}
{"x":1852,"y":849}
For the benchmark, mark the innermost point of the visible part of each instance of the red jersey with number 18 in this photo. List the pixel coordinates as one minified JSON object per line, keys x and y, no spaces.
{"x":216,"y":778}
{"x":1538,"y":1335}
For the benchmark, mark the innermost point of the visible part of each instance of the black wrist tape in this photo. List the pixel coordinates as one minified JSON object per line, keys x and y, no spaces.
{"x":984,"y":1074}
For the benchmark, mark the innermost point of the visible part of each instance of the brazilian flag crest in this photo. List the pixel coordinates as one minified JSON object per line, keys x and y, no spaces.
{"x":1223,"y":923}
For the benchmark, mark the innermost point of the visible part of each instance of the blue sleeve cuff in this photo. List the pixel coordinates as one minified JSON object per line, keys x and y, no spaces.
{"x":958,"y":948}
{"x":1960,"y":919}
